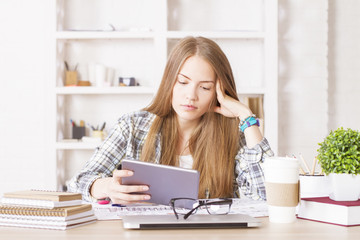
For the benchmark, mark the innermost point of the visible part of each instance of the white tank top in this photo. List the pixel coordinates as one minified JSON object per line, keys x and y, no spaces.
{"x":186,"y":161}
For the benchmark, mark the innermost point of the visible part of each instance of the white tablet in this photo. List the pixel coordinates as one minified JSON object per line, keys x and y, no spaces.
{"x":165,"y":182}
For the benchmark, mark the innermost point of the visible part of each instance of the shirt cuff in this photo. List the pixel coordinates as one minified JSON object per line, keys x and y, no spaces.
{"x":90,"y":180}
{"x":258,"y":152}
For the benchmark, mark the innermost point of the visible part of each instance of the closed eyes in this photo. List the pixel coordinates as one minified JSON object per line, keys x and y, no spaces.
{"x":204,"y":85}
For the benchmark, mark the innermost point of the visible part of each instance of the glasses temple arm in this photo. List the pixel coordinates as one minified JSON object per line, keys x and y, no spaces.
{"x":192,"y":210}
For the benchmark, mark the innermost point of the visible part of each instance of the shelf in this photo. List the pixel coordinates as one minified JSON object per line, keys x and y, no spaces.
{"x":104,"y":90}
{"x":218,"y":34}
{"x":103,"y":35}
{"x":251,"y":91}
{"x":134,"y":90}
{"x":149,"y":35}
{"x":76,"y":145}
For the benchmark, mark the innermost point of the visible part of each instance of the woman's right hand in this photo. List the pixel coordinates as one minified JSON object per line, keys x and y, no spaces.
{"x":112,"y":188}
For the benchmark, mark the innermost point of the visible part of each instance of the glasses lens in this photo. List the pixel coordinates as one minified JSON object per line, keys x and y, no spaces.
{"x":218,"y":207}
{"x":184,"y":205}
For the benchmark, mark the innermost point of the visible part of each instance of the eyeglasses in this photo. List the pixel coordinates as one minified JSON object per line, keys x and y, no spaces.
{"x":189,"y":206}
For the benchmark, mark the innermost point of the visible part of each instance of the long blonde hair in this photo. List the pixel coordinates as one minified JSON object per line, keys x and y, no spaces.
{"x":215,"y":142}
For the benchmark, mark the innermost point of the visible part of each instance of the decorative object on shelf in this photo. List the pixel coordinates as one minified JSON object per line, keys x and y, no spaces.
{"x":127,"y":81}
{"x":71,"y":78}
{"x":83,"y":83}
{"x":100,"y":75}
{"x":98,"y":134}
{"x":339,"y":157}
{"x":78,"y":131}
{"x":98,"y":128}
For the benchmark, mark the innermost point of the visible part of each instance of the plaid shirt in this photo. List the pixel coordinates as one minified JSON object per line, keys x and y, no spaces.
{"x":126,"y":140}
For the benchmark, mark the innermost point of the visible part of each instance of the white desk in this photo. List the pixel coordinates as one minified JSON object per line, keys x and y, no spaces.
{"x":108,"y":230}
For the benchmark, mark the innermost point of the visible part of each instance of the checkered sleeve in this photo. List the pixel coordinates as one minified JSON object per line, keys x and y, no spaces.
{"x":104,"y":161}
{"x":248,"y":171}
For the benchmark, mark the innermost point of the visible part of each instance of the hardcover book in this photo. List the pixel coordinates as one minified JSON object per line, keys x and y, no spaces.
{"x":45,"y":199}
{"x":44,"y":195}
{"x":323,"y":209}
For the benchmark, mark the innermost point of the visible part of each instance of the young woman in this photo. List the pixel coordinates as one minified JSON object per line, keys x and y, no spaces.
{"x":195,"y":121}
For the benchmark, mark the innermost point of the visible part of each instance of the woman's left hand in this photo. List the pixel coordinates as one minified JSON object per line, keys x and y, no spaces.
{"x":230,"y":107}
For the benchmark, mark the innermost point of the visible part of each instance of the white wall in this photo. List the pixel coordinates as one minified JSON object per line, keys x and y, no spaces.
{"x":319,"y":76}
{"x":306,"y":84}
{"x":23,"y":95}
{"x":303,"y":107}
{"x":344,"y":64}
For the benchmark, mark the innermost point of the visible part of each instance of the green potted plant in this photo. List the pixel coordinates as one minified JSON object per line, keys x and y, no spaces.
{"x":339,"y":158}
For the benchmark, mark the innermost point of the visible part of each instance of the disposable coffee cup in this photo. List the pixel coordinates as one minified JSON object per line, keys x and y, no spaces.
{"x":282,"y":188}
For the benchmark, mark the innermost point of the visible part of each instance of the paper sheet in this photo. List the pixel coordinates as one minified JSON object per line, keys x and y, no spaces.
{"x":239,"y":206}
{"x":249,"y":207}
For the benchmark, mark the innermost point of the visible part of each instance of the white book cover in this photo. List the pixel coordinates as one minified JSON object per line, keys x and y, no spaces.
{"x":323,"y":209}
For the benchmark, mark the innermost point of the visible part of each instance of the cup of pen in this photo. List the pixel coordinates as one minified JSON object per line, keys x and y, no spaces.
{"x":312,"y":183}
{"x":98,"y":134}
{"x":282,"y":188}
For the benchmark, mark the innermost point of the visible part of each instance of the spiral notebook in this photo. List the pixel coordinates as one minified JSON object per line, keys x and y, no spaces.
{"x":57,"y":214}
{"x":58,"y":218}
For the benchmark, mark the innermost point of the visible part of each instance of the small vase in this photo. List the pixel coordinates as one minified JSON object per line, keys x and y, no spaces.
{"x":344,"y":187}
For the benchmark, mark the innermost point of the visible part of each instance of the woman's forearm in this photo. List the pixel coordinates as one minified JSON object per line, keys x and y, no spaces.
{"x":98,"y":188}
{"x":252,"y":136}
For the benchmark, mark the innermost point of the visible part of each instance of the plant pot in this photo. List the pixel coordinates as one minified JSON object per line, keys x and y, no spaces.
{"x":344,"y":187}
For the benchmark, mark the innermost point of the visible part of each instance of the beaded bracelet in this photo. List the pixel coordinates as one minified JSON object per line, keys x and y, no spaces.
{"x":246,"y":119}
{"x":250,"y":121}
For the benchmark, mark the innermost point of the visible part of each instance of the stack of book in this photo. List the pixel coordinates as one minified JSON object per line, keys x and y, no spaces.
{"x":45,"y":209}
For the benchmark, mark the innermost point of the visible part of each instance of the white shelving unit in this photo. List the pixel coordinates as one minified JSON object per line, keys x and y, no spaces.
{"x":104,"y":90}
{"x":145,"y":32}
{"x":75,"y":146}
